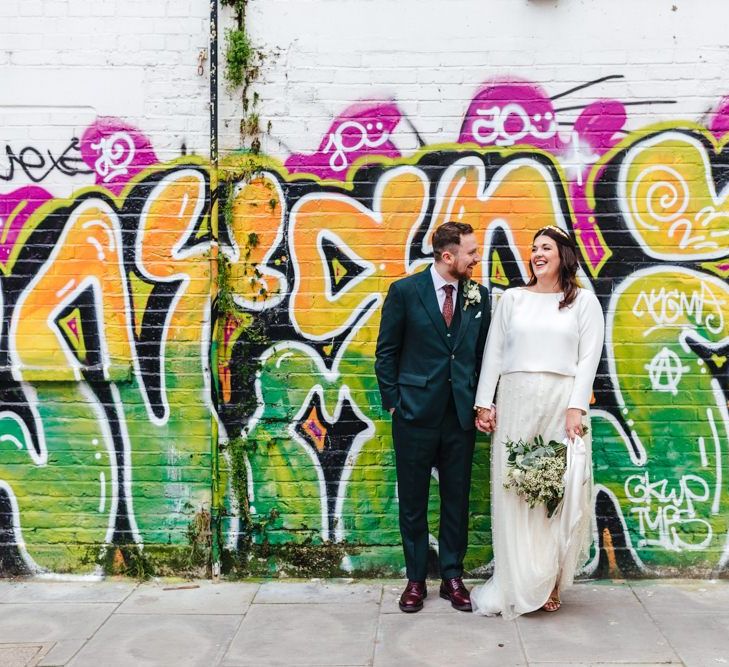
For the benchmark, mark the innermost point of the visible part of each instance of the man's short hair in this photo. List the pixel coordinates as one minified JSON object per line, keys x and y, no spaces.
{"x":447,"y":235}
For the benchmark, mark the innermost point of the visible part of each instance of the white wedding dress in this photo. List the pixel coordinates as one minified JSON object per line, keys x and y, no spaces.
{"x":544,"y":361}
{"x":531,"y":551}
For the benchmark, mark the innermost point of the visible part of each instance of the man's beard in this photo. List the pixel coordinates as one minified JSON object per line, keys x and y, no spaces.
{"x":464,"y":274}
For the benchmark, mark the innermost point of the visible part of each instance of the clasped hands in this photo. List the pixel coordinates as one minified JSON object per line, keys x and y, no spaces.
{"x":486,"y":419}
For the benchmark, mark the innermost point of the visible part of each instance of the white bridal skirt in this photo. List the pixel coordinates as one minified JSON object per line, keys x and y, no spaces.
{"x":533,"y":552}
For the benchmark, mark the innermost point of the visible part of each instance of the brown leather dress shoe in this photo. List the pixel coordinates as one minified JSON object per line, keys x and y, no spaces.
{"x":455,"y":591}
{"x":412,"y":597}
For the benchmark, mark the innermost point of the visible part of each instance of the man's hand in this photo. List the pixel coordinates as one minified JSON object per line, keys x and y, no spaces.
{"x":486,"y":419}
{"x":391,"y":411}
{"x":574,"y":423}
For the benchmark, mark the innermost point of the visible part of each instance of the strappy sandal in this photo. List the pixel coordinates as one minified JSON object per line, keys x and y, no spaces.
{"x":552,"y":604}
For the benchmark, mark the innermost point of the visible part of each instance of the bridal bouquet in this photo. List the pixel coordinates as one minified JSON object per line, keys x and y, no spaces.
{"x":535,"y":470}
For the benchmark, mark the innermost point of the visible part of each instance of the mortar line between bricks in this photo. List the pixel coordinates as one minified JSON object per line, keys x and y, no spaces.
{"x":237,"y":628}
{"x":655,"y":623}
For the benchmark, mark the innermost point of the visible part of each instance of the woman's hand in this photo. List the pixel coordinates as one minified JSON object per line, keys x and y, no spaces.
{"x":574,"y":423}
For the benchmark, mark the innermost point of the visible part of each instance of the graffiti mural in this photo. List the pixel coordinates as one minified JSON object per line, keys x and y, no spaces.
{"x":647,"y":207}
{"x":128,"y":367}
{"x":105,"y":407}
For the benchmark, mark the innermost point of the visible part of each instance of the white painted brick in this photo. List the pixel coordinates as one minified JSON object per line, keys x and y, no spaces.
{"x":137,"y":9}
{"x":24,"y":25}
{"x":179,"y":7}
{"x":31,"y":8}
{"x":34,"y":57}
{"x":177,"y":43}
{"x":82,"y":57}
{"x":79,"y":7}
{"x":105,"y":8}
{"x":10,"y":8}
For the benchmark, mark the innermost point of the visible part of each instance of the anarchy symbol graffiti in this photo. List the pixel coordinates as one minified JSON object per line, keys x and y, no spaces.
{"x":666,"y":370}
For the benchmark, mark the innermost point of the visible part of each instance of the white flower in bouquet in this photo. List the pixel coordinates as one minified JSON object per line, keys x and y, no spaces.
{"x":535,"y":471}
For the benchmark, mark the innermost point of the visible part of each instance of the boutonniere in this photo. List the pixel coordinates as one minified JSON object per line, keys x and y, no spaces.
{"x":471,"y":294}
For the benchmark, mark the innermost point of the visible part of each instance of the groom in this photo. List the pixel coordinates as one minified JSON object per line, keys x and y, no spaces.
{"x":432,"y":334}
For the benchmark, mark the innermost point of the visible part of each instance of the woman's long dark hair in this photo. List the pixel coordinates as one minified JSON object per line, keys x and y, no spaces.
{"x":567,"y":263}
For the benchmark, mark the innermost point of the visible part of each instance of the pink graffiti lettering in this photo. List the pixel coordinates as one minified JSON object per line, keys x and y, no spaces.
{"x":16,"y":208}
{"x":116,"y":152}
{"x":718,"y":121}
{"x":511,"y":112}
{"x":363,"y":130}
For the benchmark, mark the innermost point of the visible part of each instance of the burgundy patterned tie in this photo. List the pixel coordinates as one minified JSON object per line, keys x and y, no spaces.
{"x":448,"y":305}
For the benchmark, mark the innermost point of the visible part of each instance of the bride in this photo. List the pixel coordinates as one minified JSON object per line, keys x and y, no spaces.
{"x":542,"y":351}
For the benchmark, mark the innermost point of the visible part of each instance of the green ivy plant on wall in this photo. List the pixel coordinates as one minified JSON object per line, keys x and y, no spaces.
{"x":243,"y":62}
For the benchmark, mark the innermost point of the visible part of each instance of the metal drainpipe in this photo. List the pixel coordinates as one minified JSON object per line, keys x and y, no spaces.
{"x":216,"y":495}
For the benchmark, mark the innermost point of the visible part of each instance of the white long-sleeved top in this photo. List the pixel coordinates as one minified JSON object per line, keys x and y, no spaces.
{"x":529,"y":333}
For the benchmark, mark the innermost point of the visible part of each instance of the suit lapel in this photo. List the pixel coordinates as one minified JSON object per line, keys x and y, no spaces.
{"x":466,"y":316}
{"x":426,"y":292}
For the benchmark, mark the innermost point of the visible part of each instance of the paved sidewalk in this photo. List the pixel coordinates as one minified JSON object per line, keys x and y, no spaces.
{"x":337,"y":623}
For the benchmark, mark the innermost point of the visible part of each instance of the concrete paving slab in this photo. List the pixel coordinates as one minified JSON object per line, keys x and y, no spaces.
{"x":434,"y":604}
{"x":61,"y":653}
{"x":26,"y":623}
{"x":305,"y":634}
{"x":200,"y":597}
{"x":68,"y":591}
{"x":326,"y":623}
{"x":420,"y":640}
{"x":700,"y":640}
{"x":683,"y":597}
{"x":317,"y":592}
{"x":597,"y":623}
{"x":5,"y":588}
{"x":20,"y":655}
{"x":155,"y":639}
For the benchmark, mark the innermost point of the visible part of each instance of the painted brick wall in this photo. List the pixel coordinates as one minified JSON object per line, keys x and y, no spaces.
{"x":126,"y":370}
{"x":106,"y":408}
{"x":392,"y":117}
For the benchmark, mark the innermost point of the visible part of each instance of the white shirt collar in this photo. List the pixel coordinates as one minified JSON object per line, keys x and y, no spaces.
{"x":439,"y":281}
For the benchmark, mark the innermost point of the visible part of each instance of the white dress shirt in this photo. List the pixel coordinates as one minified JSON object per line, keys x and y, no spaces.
{"x":438,"y":282}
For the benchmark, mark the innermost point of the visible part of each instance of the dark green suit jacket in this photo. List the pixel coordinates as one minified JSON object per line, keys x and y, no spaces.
{"x":418,"y":362}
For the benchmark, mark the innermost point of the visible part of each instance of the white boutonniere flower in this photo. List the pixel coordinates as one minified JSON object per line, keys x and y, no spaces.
{"x":471,"y":294}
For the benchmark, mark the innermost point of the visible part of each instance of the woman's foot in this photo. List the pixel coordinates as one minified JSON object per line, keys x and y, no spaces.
{"x":553,"y":603}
